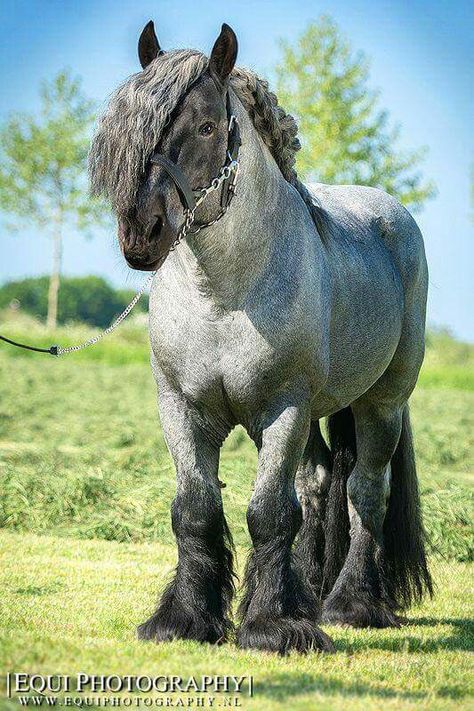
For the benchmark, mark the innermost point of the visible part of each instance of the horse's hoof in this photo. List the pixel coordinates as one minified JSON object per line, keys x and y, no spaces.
{"x":282,"y":635}
{"x":166,"y":628}
{"x":355,"y":611}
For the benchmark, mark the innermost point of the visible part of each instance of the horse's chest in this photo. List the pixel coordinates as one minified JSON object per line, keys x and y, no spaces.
{"x":249,"y":364}
{"x":226,"y":364}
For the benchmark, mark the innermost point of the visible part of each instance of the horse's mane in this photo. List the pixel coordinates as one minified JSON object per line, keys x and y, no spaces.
{"x":278,"y":130}
{"x":140,"y":109}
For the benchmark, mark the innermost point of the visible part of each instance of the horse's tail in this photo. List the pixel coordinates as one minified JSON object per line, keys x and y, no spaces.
{"x":404,"y":569}
{"x":342,"y":444}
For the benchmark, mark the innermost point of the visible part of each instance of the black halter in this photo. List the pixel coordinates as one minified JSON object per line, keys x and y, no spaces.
{"x":185,"y":191}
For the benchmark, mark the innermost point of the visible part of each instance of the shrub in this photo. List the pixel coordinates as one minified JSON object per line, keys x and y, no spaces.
{"x":88,"y":299}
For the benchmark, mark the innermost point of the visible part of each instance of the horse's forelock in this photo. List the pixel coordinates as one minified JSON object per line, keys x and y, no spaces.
{"x":133,"y":123}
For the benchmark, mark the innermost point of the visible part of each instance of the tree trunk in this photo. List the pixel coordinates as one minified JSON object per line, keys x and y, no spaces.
{"x":53,"y":291}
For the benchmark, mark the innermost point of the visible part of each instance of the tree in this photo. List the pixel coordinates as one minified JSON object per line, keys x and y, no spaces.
{"x":43,"y":176}
{"x":346,"y":138}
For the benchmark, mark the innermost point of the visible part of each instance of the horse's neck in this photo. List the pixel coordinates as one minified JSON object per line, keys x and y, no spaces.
{"x":226,"y":261}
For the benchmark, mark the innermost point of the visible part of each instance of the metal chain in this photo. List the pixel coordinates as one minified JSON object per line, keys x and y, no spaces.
{"x":225,"y":173}
{"x":113,"y":326}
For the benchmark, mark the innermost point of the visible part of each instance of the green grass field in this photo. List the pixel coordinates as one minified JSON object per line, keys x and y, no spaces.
{"x":86,"y":543}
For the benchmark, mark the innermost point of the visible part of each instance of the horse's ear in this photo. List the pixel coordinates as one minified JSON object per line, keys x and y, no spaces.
{"x":224,"y":54}
{"x":148,"y":45}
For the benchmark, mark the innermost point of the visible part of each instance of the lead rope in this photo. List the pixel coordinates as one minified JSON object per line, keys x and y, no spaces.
{"x":226,"y":172}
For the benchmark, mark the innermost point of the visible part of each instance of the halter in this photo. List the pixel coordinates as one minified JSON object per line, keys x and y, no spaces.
{"x":226,"y":178}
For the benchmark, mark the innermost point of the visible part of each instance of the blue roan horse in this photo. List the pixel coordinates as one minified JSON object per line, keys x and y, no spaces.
{"x":282,"y":304}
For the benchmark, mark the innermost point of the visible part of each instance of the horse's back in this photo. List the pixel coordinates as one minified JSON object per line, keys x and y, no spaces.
{"x":364,"y":214}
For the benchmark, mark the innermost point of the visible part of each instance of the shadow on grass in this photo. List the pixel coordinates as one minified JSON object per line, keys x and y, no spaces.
{"x":460,"y":639}
{"x":40,"y":589}
{"x":282,"y":687}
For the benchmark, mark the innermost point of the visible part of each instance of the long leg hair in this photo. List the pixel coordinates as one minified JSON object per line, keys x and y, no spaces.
{"x":405,"y":570}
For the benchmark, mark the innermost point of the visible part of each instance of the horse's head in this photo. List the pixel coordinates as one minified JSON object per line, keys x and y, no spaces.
{"x":164,"y":137}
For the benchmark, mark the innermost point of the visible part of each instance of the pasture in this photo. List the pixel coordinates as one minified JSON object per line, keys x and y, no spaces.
{"x":86,"y":486}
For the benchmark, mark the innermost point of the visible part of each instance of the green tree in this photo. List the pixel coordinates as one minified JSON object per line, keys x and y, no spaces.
{"x":43,"y":176}
{"x":346,"y":138}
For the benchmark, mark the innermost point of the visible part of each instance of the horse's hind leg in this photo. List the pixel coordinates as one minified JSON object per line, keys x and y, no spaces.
{"x":279,"y":610}
{"x":312,"y":483}
{"x":195,"y":605}
{"x":386,"y":568}
{"x":360,"y":597}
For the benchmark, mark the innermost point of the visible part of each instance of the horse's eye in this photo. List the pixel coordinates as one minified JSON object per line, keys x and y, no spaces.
{"x":207,"y":128}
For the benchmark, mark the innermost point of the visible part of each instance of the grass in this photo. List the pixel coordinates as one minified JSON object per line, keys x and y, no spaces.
{"x":86,"y":484}
{"x":82,"y":455}
{"x":70,"y":605}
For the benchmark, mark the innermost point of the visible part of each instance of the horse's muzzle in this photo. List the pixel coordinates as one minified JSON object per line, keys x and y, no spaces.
{"x":145,"y":250}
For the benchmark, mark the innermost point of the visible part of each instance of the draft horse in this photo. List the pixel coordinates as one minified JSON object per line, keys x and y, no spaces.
{"x":274,"y":305}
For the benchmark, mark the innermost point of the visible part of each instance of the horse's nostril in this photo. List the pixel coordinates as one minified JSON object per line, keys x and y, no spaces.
{"x":156,"y":229}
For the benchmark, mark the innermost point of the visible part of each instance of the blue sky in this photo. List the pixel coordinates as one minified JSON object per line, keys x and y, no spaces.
{"x":422,"y":59}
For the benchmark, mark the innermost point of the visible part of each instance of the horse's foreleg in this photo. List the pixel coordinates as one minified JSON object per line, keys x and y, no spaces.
{"x":359,"y":596}
{"x":279,"y":611}
{"x":313,"y":479}
{"x":195,"y":604}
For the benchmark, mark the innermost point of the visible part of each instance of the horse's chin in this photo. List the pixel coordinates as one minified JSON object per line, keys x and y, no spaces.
{"x":156,"y":246}
{"x":151,"y":266}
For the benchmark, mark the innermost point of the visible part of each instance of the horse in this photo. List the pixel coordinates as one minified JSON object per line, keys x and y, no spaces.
{"x":274,"y":305}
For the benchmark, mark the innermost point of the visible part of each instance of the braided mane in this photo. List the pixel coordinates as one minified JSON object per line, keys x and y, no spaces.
{"x":279,"y":132}
{"x":140,"y":109}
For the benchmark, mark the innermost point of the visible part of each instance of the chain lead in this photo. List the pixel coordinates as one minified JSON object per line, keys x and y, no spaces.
{"x":225,"y":173}
{"x":95,"y":339}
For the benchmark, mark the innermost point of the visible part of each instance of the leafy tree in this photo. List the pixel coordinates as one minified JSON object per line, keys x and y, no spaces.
{"x":88,"y":299}
{"x":43,"y":176}
{"x":346,"y":138}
